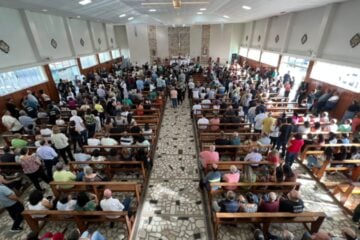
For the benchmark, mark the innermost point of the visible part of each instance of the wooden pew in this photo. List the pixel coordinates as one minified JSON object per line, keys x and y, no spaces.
{"x":226,"y":127}
{"x":96,"y":187}
{"x":111,"y":167}
{"x":345,"y":190}
{"x":80,"y":218}
{"x":237,"y":150}
{"x":314,"y":218}
{"x":344,"y":165}
{"x":308,"y":149}
{"x":225,"y":165}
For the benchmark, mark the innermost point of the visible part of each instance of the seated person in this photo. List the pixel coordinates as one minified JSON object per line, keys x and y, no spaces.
{"x":203,"y":122}
{"x":264,"y":140}
{"x":147,"y":132}
{"x":108,"y":141}
{"x":86,"y":202}
{"x":17,"y":142}
{"x":126,"y":139}
{"x":66,"y":203}
{"x":333,"y":127}
{"x":345,"y":138}
{"x":62,"y":175}
{"x":235,"y":139}
{"x":229,"y":205}
{"x":38,"y":202}
{"x":209,"y":157}
{"x":214,"y":123}
{"x":12,"y":182}
{"x":222,"y":140}
{"x":90,"y":176}
{"x":8,"y":157}
{"x":304,"y":129}
{"x":232,"y":177}
{"x":271,"y":204}
{"x":346,"y":126}
{"x":93,"y":142}
{"x":274,"y":157}
{"x":289,"y":175}
{"x":248,"y":204}
{"x":212,"y":177}
{"x":90,"y":234}
{"x":108,"y":203}
{"x":46,"y":132}
{"x":293,"y":203}
{"x":254,"y":156}
{"x":96,"y":156}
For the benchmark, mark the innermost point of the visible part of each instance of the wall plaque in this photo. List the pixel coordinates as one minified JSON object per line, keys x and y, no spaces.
{"x":99,"y":40}
{"x":304,"y":39}
{"x":82,"y":42}
{"x":277,"y":38}
{"x":4,"y":47}
{"x":53,"y":43}
{"x":355,"y":40}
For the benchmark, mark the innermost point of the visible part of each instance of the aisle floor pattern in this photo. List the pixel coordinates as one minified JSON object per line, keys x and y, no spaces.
{"x":173,"y":206}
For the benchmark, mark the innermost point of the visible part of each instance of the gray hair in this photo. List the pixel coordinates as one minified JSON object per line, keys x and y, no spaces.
{"x":88,"y":170}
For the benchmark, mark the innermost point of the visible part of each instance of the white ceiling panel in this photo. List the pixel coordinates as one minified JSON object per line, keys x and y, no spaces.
{"x":165,"y":14}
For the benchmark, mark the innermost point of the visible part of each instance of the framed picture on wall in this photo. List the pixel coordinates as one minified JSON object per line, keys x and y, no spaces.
{"x":355,"y":40}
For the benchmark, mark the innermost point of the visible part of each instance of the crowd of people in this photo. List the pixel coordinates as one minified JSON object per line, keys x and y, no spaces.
{"x":107,"y":102}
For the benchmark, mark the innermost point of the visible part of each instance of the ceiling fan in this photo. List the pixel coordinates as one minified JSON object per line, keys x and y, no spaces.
{"x":176,"y":3}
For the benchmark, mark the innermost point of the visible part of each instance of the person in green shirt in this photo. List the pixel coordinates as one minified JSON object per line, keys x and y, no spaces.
{"x":17,"y":142}
{"x":86,"y":202}
{"x":62,"y":175}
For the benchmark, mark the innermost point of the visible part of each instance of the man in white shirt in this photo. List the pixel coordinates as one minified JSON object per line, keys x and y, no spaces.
{"x":93,"y":142}
{"x":80,"y":126}
{"x":108,"y":141}
{"x":108,"y":203}
{"x":11,"y":123}
{"x":204,"y":122}
{"x":196,"y":107}
{"x":258,"y":121}
{"x":206,"y":103}
{"x":254,"y":156}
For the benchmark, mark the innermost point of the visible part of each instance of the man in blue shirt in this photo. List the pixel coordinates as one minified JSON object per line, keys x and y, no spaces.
{"x":139,"y":84}
{"x":48,"y":155}
{"x":13,"y":205}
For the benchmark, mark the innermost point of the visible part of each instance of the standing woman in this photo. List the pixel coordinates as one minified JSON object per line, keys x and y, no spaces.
{"x":61,"y":143}
{"x":32,"y":168}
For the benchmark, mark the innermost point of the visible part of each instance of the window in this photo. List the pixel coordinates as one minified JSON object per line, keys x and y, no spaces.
{"x":254,"y":54}
{"x":66,"y":70}
{"x":243,"y":52}
{"x":104,"y":57}
{"x":270,"y":58}
{"x":337,"y":75}
{"x":115,"y":53}
{"x":20,"y":79}
{"x":88,"y":61}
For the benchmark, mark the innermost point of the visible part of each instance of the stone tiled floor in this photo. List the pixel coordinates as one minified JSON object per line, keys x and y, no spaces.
{"x":173,"y":207}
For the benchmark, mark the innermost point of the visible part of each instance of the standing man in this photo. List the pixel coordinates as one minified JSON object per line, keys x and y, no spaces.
{"x":48,"y":155}
{"x":13,"y":205}
{"x":174,"y":96}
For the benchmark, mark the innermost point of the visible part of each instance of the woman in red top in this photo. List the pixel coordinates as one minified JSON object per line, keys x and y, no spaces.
{"x":294,"y":149}
{"x":139,"y":110}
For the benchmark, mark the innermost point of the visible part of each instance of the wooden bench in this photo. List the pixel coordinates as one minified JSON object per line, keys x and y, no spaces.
{"x":225,"y":165}
{"x":96,"y":187}
{"x":238,"y":150}
{"x":314,"y":218}
{"x":111,"y":167}
{"x":80,"y":218}
{"x":344,"y":165}
{"x":226,"y":127}
{"x":309,"y":148}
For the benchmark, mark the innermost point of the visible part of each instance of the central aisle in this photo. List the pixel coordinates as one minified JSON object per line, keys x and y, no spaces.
{"x":173,"y":206}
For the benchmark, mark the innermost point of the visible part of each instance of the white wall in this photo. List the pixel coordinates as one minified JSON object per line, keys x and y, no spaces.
{"x":195,"y":41}
{"x":258,"y":36}
{"x":138,"y":40}
{"x":162,"y":42}
{"x":121,"y":40}
{"x":46,"y":27}
{"x":246,"y":38}
{"x":79,"y":30}
{"x":344,"y":26}
{"x":236,"y":34}
{"x":98,"y":33}
{"x":110,"y":36}
{"x":305,"y":22}
{"x":21,"y":51}
{"x":277,"y":27}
